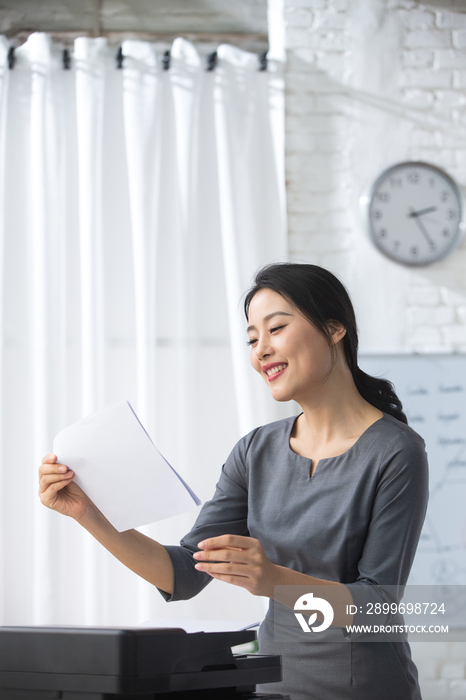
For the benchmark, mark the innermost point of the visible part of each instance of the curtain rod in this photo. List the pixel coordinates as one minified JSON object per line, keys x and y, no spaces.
{"x":253,"y":43}
{"x":165,"y":59}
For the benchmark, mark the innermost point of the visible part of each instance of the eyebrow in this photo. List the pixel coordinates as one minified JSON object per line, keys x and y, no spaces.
{"x":268,"y":317}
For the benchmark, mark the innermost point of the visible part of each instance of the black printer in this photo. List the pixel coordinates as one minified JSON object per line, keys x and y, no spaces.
{"x":84,"y":663}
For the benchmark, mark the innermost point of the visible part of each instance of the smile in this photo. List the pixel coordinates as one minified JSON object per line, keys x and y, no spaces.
{"x":272,"y":371}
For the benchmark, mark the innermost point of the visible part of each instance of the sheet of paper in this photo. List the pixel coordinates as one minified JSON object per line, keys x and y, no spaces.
{"x":118,"y":466}
{"x":200,"y":625}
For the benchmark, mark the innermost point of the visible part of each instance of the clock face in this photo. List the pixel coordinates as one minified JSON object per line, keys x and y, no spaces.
{"x":415,"y":213}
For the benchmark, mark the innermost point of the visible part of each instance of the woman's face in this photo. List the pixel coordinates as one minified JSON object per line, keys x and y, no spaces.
{"x":288,"y":351}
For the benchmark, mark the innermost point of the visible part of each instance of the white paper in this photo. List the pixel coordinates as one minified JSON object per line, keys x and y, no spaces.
{"x":118,"y":466}
{"x":191,"y":626}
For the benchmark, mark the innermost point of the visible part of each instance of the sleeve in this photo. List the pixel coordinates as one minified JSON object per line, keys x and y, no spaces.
{"x":398,"y":514}
{"x":226,"y":513}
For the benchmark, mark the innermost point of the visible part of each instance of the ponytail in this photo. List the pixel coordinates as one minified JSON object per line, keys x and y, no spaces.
{"x":380,"y":393}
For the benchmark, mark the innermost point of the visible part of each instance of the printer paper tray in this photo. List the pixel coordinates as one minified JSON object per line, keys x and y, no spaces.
{"x":250,"y":671}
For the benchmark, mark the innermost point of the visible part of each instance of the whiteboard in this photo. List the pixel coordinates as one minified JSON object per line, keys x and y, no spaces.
{"x":432,"y":389}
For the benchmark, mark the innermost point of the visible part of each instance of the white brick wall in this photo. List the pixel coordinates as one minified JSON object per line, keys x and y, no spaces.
{"x":369,"y":84}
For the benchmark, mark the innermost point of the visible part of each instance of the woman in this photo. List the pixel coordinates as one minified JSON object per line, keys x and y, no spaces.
{"x":334,"y":497}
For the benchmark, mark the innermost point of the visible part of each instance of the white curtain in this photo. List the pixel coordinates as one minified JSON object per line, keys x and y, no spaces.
{"x":135,"y":206}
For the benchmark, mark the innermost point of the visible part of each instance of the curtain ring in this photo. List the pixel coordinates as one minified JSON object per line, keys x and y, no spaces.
{"x":166,"y":58}
{"x":263,"y":61}
{"x":120,"y":58}
{"x":11,"y":57}
{"x":212,"y":60}
{"x":66,"y":59}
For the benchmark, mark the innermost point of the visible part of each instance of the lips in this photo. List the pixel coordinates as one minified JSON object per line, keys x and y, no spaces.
{"x":274,"y":369}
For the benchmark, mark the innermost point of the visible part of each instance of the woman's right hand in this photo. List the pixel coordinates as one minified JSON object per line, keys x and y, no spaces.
{"x":57,"y":490}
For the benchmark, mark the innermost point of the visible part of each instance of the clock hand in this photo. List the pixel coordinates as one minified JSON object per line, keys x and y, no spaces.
{"x":424,"y":231}
{"x":421,"y":211}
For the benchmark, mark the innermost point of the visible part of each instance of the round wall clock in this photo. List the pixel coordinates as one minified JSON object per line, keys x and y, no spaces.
{"x":415,"y":213}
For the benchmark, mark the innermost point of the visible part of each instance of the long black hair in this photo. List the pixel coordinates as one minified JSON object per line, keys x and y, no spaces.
{"x":321,"y":297}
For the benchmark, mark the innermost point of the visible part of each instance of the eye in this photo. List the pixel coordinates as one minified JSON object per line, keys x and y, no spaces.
{"x":272,"y":330}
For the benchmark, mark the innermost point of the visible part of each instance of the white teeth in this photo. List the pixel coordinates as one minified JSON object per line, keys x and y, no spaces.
{"x":274,"y":370}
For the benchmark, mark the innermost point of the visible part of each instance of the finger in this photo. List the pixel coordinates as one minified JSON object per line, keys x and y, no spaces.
{"x":224,"y":569}
{"x":235,"y":555}
{"x":223,"y":541}
{"x":50,"y":479}
{"x":49,"y":468}
{"x":49,"y":459}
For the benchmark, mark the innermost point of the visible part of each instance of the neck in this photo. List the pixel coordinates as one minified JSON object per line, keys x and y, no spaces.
{"x":335,"y":410}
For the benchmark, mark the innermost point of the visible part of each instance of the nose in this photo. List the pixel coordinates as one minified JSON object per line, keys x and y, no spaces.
{"x":263,"y":348}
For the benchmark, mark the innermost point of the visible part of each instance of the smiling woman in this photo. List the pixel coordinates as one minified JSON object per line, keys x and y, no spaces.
{"x":333,"y":498}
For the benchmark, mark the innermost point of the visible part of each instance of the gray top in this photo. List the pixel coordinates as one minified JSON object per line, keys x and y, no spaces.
{"x":357,"y":520}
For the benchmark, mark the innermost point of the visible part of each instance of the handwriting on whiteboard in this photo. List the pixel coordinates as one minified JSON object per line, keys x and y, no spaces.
{"x":432,"y":389}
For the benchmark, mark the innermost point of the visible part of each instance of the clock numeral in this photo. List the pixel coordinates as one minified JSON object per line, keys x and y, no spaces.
{"x":383,"y":233}
{"x":444,"y":194}
{"x":376,"y":214}
{"x":433,"y":245}
{"x":396,"y":182}
{"x":396,"y":245}
{"x":414,"y":177}
{"x":414,"y":250}
{"x":451,"y":214}
{"x":383,"y":196}
{"x":432,"y":182}
{"x":445,"y":232}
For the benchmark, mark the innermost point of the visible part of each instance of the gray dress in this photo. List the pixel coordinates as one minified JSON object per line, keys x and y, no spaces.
{"x":357,"y":521}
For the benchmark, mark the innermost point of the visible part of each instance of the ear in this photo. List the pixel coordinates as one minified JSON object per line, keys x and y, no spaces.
{"x":337,"y":330}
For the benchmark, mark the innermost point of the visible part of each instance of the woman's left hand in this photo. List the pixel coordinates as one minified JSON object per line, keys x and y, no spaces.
{"x":238,"y":560}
